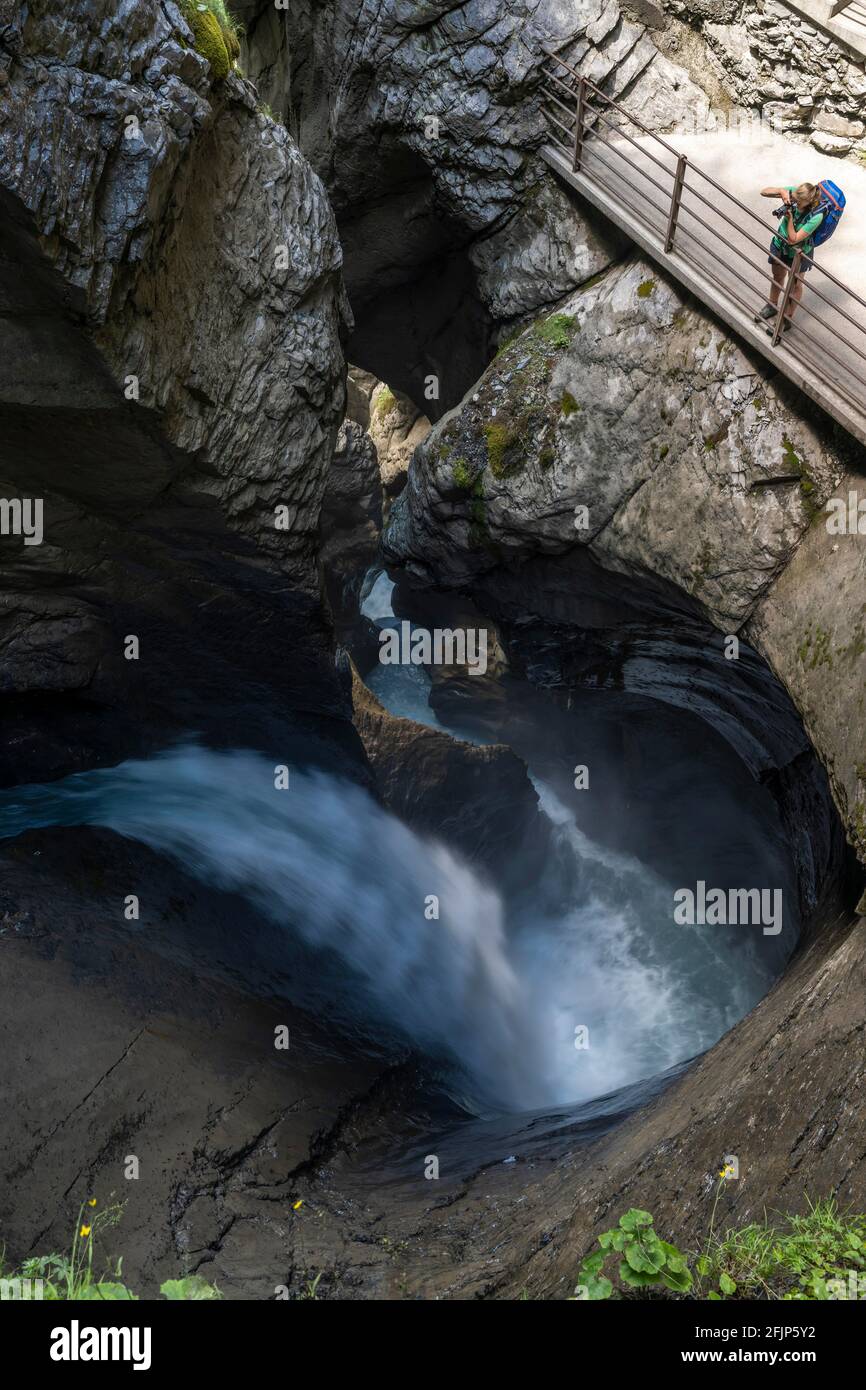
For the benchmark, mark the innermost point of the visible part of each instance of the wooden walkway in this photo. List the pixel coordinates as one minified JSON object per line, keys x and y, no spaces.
{"x":708,"y":240}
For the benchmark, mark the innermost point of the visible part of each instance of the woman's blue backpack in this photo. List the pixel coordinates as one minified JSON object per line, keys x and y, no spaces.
{"x":832,"y":205}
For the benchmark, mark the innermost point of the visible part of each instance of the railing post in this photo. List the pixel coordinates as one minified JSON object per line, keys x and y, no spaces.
{"x":578,"y":124}
{"x":676,"y":197}
{"x":789,"y":285}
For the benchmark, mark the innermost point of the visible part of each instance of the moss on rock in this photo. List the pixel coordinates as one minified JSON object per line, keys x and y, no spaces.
{"x":558,"y":330}
{"x":215,"y":40}
{"x":386,"y":401}
{"x":461,"y":474}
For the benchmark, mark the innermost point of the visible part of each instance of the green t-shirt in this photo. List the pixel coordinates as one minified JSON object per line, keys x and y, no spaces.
{"x":803,"y":221}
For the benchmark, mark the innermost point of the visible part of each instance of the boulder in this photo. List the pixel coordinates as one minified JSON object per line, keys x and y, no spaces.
{"x":477,"y":799}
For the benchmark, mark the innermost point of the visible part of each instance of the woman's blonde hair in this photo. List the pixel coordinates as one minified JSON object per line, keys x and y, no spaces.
{"x":813,"y":192}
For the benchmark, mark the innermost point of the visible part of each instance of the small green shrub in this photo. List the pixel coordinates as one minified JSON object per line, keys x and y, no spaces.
{"x":819,"y":1256}
{"x":558,"y":330}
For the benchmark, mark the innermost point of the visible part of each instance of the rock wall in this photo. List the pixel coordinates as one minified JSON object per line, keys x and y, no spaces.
{"x":772,"y":60}
{"x":423,"y":121}
{"x":191,"y":240}
{"x":164,"y":386}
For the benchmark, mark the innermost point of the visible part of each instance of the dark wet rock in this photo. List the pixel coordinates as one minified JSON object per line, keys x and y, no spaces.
{"x":477,"y":799}
{"x":160,"y":200}
{"x":424,"y":122}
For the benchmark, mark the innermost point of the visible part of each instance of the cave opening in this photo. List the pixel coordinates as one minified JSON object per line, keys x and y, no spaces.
{"x":420,"y":322}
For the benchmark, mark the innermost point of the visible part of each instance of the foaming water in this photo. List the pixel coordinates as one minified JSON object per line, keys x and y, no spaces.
{"x":323,"y":859}
{"x":499,"y":997}
{"x":612,"y":960}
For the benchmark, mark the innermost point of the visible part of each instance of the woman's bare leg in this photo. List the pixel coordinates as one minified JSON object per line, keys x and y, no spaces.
{"x":778,"y":281}
{"x":795,"y":297}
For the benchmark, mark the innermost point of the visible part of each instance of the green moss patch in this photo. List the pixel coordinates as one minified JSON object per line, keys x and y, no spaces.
{"x":645,"y":289}
{"x":386,"y":401}
{"x":216,"y":33}
{"x":462,"y":474}
{"x":507,"y":445}
{"x":567,"y":404}
{"x":790,"y":456}
{"x":558,"y":330}
{"x":814,"y":650}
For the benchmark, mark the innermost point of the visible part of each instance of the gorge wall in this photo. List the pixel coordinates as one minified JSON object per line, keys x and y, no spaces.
{"x":172,"y":313}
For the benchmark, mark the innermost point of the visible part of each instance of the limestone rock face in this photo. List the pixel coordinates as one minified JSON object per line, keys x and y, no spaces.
{"x":811,"y":626}
{"x":194,"y":242}
{"x":627,"y":422}
{"x":774,"y":61}
{"x":397,"y":427}
{"x":394,"y":423}
{"x":547,"y":242}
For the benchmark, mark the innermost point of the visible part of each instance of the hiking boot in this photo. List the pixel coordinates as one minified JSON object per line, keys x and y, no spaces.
{"x":786,"y":324}
{"x":766,"y":313}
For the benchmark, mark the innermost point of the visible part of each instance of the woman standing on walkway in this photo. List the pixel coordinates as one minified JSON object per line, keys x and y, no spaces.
{"x":797,"y":229}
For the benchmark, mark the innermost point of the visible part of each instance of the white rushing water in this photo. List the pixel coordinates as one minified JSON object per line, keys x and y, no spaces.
{"x":325,"y":862}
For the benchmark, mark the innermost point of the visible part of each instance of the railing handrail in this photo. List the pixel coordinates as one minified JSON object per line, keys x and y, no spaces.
{"x":695,"y":168}
{"x":586,"y":118}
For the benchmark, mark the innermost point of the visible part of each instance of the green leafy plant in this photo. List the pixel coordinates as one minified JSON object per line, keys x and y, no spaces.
{"x":645,"y":1259}
{"x":821,"y":1255}
{"x":795,"y":1258}
{"x":71,"y":1278}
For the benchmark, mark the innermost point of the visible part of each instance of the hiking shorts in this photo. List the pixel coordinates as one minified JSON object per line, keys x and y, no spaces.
{"x":806,"y":262}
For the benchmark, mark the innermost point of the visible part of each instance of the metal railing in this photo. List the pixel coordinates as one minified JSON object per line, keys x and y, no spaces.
{"x":692,"y":217}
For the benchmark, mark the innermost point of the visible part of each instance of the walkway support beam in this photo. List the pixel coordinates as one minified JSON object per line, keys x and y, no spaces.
{"x":580,"y":114}
{"x":791,"y":281}
{"x":676,"y":198}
